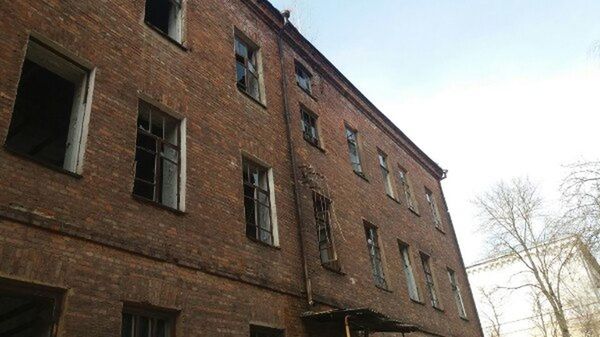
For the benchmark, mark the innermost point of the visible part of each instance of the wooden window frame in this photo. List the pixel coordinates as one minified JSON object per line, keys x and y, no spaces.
{"x":137,"y":311}
{"x":308,"y":116}
{"x":460,"y":304}
{"x":159,"y":154}
{"x":409,"y":272}
{"x":248,"y":63}
{"x":300,"y":70}
{"x":250,"y":165}
{"x":406,"y":186}
{"x":435,"y":213}
{"x":351,"y":135}
{"x":430,"y":281}
{"x":382,"y":158}
{"x":375,"y":255}
{"x":322,"y":210}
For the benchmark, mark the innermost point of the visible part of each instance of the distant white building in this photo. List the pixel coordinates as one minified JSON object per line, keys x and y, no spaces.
{"x":510,"y":307}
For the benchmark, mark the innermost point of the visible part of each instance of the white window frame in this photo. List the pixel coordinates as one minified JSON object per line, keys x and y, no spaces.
{"x":437,"y":220}
{"x":407,"y":267}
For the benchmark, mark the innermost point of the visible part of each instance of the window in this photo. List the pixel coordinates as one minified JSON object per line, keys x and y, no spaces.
{"x":322,"y":208}
{"x":309,"y":127}
{"x":375,"y":255}
{"x":303,"y":78}
{"x":429,"y":281}
{"x":387,"y":181}
{"x":246,"y":57}
{"x":27,"y":310}
{"x":407,"y":188}
{"x":50,"y":109}
{"x":457,"y":294}
{"x":413,"y":291}
{"x":166,"y":16}
{"x":433,"y":207}
{"x":259,"y":331}
{"x":352,"y":138}
{"x":158,"y":157}
{"x":258,"y":203}
{"x":143,"y":323}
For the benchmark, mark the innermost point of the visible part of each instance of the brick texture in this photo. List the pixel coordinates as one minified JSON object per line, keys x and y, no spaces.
{"x":87,"y":234}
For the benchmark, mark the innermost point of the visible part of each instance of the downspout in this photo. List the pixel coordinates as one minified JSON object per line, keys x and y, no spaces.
{"x":292,"y":153}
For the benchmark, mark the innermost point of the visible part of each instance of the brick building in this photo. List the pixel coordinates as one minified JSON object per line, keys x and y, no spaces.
{"x":197,"y":168}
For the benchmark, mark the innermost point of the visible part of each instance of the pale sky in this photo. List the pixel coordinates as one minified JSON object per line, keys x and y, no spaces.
{"x":490,"y":89}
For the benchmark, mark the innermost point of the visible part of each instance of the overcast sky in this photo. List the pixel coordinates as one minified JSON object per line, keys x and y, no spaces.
{"x":489,"y":89}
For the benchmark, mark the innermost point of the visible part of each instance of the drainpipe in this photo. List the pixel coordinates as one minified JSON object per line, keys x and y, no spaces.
{"x":292,"y":153}
{"x":347,"y":325}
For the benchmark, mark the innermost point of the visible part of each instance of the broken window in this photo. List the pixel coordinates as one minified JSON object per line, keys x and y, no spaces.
{"x":166,"y":16}
{"x":437,"y":221}
{"x":259,"y":331}
{"x":406,"y":186}
{"x":144,"y":323}
{"x":322,"y":209}
{"x":158,"y":157}
{"x":429,"y":281}
{"x":387,"y":181}
{"x":303,"y":78}
{"x":413,"y":291}
{"x":257,"y":202}
{"x":246,"y":57}
{"x":48,"y":117}
{"x":309,"y":127}
{"x":26,"y":311}
{"x":352,"y":139}
{"x":457,"y":294}
{"x":375,"y":255}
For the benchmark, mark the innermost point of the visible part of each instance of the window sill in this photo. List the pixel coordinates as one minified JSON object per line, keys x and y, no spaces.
{"x":264,"y":244}
{"x":440,"y":230}
{"x":439,"y":309}
{"x":362,"y":175}
{"x":413,"y":211}
{"x":306,"y":92}
{"x":315,"y":145}
{"x":42,"y":163}
{"x":417,"y":301}
{"x":464,"y":318}
{"x":178,"y":44}
{"x":252,"y":98}
{"x":157,"y":205}
{"x":387,"y":290}
{"x":333,"y":267}
{"x":393,"y":199}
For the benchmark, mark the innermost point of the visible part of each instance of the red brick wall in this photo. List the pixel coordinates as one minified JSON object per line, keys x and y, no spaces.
{"x":91,"y":237}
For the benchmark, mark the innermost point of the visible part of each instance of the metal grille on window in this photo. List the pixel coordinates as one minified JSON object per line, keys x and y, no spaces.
{"x":309,"y":127}
{"x":140,"y":325}
{"x":157,"y":157}
{"x":257,"y":203}
{"x":322,"y":208}
{"x":246,"y":68}
{"x":375,"y":255}
{"x":429,"y":281}
{"x":353,"y":150}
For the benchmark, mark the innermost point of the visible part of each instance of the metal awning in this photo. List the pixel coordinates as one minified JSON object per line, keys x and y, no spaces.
{"x":360,"y":319}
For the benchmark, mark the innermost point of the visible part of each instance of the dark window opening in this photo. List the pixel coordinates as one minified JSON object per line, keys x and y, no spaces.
{"x":259,"y":331}
{"x":157,"y":157}
{"x":144,"y":323}
{"x":257,"y":202}
{"x":28,"y":313}
{"x":309,"y":127}
{"x":303,"y":78}
{"x":387,"y":180}
{"x":165,"y":15}
{"x":247,"y":75}
{"x":47,"y":119}
{"x":322,"y":209}
{"x":352,"y":139}
{"x":375,"y":255}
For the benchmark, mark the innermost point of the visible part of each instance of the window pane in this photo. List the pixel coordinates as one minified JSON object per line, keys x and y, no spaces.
{"x":143,"y":189}
{"x":240,"y":48}
{"x":253,"y":89}
{"x":144,"y":168}
{"x":143,"y":327}
{"x":241,"y":75}
{"x":170,"y":173}
{"x":126,"y":326}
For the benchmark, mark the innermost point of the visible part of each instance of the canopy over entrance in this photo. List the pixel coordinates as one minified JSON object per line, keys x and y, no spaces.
{"x":360,"y":319}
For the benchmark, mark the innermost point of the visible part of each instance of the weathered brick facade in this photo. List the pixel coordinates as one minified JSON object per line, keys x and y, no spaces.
{"x":86,"y":235}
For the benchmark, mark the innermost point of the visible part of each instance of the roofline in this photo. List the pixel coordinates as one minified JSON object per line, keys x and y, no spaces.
{"x":296,"y":39}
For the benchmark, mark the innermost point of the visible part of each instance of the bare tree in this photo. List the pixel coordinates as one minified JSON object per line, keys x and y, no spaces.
{"x":492,"y":312}
{"x":514,"y":222}
{"x":581,"y":196}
